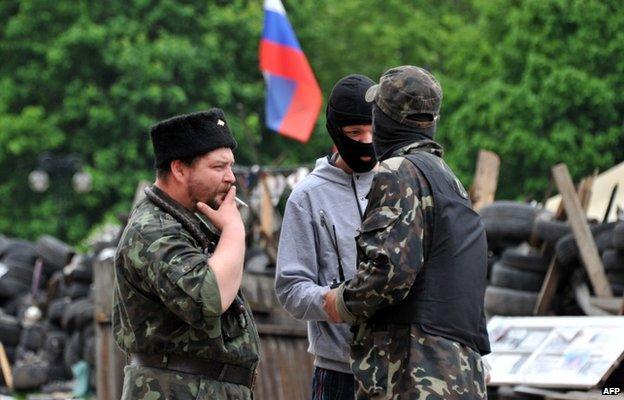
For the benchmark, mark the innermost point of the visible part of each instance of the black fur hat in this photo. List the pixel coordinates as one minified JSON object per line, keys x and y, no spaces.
{"x":190,"y":135}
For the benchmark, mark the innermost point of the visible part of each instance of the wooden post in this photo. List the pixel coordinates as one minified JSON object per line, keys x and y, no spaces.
{"x":580,"y":229}
{"x":6,"y":367}
{"x":585,"y":191}
{"x":486,"y":179}
{"x":110,"y":360}
{"x":549,"y":288}
{"x":266,"y":209}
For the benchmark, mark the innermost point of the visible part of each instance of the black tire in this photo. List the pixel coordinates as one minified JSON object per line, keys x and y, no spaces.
{"x":32,"y":337}
{"x":88,"y":350}
{"x":54,"y":345}
{"x":77,"y":290}
{"x":58,"y":372}
{"x":11,"y":287}
{"x":10,"y":352}
{"x":19,"y":272}
{"x":618,"y":236}
{"x":73,"y":349}
{"x":503,"y":301}
{"x":531,"y":262}
{"x":55,"y":253}
{"x":56,"y":285}
{"x":616,"y":278}
{"x":81,"y":273}
{"x":56,"y":309}
{"x":17,"y":305}
{"x":512,"y":278}
{"x":22,"y":250}
{"x":30,"y":376}
{"x":613,"y":260}
{"x":550,"y":231}
{"x":9,"y":330}
{"x":508,"y":220}
{"x":19,"y":257}
{"x":78,"y":315}
{"x":568,"y":252}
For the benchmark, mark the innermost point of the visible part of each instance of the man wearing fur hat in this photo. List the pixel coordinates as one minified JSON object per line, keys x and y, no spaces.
{"x":316,"y":245}
{"x":178,"y":312}
{"x":416,"y":301}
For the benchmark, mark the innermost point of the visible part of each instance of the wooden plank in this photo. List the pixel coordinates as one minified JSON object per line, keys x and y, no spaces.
{"x":612,"y":305}
{"x":266,"y":210}
{"x":580,"y":229}
{"x":485,"y":182}
{"x":281,"y":330}
{"x":6,"y":367}
{"x":110,"y":360}
{"x":549,"y":288}
{"x":585,"y":191}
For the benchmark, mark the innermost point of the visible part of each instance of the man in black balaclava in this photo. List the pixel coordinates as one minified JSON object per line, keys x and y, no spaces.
{"x":422,"y":259}
{"x":316,"y":247}
{"x":349,"y":122}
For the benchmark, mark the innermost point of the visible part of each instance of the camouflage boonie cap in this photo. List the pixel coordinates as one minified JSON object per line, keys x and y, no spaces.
{"x":405,"y":91}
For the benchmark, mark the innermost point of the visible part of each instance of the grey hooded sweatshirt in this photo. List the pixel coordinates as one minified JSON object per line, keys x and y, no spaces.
{"x":307,"y":260}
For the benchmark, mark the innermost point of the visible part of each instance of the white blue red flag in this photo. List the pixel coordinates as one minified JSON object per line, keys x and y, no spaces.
{"x":293,"y":96}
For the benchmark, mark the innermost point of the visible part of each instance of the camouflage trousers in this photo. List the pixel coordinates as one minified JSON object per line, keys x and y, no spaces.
{"x":403,"y":362}
{"x":159,"y":384}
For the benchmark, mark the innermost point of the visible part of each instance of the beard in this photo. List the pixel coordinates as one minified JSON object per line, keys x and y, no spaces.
{"x":200,"y":191}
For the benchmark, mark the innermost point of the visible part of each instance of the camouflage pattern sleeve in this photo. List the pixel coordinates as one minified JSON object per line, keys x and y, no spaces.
{"x":390,"y":244}
{"x":176,"y":270}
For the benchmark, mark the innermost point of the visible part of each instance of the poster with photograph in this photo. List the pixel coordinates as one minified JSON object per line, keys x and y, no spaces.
{"x":566,"y":352}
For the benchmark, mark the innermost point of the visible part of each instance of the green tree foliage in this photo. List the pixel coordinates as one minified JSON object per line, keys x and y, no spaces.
{"x":536,"y":81}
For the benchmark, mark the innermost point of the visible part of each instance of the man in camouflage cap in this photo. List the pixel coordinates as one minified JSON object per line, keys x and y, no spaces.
{"x":178,"y":312}
{"x":416,"y":301}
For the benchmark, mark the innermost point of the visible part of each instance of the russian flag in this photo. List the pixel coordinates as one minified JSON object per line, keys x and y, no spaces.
{"x":293,"y":99}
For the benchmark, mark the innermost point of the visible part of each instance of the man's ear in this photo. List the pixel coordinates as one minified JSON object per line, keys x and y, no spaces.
{"x":178,"y":170}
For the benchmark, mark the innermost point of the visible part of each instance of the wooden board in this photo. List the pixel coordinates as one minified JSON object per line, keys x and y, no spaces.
{"x":584,"y":239}
{"x":548,"y":290}
{"x":485,"y":182}
{"x":6,"y":367}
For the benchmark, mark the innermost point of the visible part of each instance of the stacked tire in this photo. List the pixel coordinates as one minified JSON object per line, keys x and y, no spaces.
{"x":517,"y":270}
{"x":47,"y":331}
{"x":515,"y":282}
{"x":10,"y":329}
{"x":16,"y":269}
{"x":613,"y":259}
{"x":609,"y":239}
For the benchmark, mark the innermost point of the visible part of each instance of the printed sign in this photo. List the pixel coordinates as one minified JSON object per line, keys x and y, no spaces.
{"x":566,"y":352}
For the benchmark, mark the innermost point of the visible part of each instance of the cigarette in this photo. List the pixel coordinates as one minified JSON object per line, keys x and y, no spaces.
{"x":240,"y":202}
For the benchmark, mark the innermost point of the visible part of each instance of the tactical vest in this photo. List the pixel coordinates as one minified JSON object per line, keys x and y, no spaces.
{"x":446,"y":298}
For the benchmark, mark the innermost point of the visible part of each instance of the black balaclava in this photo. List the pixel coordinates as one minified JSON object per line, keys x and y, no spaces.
{"x":346,"y":106}
{"x":390,"y":135}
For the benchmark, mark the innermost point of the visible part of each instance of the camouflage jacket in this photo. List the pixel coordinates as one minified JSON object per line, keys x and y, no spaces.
{"x":166,"y":299}
{"x":401,"y":361}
